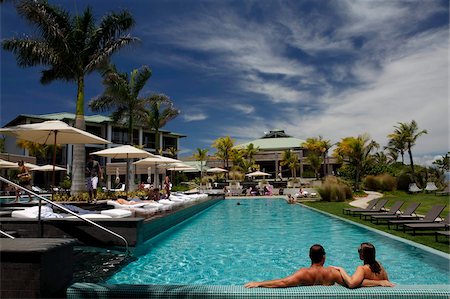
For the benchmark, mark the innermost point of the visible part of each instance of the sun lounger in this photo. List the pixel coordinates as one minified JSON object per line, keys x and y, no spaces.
{"x":33,"y":212}
{"x":118,"y":213}
{"x":446,"y":191}
{"x":409,"y":213}
{"x":378,"y":207}
{"x":392,"y":211}
{"x":117,"y":205}
{"x":444,"y":233}
{"x":427,"y":226}
{"x":368,"y":208}
{"x":430,"y":217}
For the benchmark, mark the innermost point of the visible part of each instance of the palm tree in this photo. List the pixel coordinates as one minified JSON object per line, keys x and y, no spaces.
{"x":69,"y":48}
{"x":396,"y":144}
{"x":224,"y":146}
{"x":290,"y":159}
{"x":159,"y":113}
{"x":121,"y":94}
{"x":409,"y":132}
{"x":356,"y":151}
{"x":201,"y":155}
{"x":250,"y":151}
{"x":316,"y":149}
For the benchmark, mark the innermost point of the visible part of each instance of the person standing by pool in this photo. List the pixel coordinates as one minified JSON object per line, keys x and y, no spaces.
{"x":93,"y":171}
{"x":167,"y":187}
{"x":24,"y":179}
{"x":371,"y":269}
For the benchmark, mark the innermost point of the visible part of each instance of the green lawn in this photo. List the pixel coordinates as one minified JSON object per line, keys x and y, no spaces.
{"x":426,"y":200}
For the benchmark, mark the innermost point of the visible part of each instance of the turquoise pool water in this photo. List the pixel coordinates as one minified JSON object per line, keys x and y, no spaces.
{"x":260,"y":239}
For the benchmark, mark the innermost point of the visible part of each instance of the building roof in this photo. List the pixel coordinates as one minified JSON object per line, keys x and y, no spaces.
{"x":98,"y":119}
{"x":274,"y":140}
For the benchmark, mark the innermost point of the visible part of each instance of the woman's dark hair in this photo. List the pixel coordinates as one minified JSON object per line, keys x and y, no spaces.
{"x":21,"y":163}
{"x":367,"y":252}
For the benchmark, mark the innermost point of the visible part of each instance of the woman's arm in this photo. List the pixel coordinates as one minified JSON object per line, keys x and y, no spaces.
{"x":376,"y":283}
{"x":353,"y":281}
{"x":293,"y":280}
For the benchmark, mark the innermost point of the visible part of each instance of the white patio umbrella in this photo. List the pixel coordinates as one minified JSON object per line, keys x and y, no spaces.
{"x":48,"y":167}
{"x":216,"y":170}
{"x":7,"y":164}
{"x":124,"y":152}
{"x":258,"y":173}
{"x":156,"y":161}
{"x":52,"y":132}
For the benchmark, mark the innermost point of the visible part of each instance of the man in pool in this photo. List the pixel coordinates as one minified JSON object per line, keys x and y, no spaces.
{"x":316,"y":274}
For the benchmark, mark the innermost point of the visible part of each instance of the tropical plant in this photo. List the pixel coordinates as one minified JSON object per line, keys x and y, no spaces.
{"x":315,"y":149}
{"x":36,"y":149}
{"x":396,"y":145}
{"x":173,"y":152}
{"x":70,"y":48}
{"x":121,"y":95}
{"x":159,"y":112}
{"x":408,"y":133}
{"x":224,"y":146}
{"x":290,"y":159}
{"x":201,"y":155}
{"x":356,"y":151}
{"x":250,"y":151}
{"x":443,"y":163}
{"x":2,"y":144}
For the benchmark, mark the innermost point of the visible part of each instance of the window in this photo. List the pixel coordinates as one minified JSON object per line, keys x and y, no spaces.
{"x":120,"y":136}
{"x":169,"y":142}
{"x":94,"y":130}
{"x":149,"y":140}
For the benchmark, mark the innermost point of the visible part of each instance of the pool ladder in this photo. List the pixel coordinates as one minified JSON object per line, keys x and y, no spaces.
{"x":41,"y":198}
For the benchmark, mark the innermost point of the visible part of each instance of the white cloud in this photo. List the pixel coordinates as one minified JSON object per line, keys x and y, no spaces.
{"x":246,"y":109}
{"x":188,"y":117}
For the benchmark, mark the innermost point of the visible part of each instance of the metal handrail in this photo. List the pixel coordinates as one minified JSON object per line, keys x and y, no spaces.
{"x":65,"y":210}
{"x":6,"y":234}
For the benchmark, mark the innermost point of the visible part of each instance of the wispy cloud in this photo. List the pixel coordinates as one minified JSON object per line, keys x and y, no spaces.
{"x":245,"y":109}
{"x":188,"y":117}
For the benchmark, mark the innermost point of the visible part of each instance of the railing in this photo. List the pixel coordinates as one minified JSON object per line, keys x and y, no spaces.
{"x":41,"y":198}
{"x":6,"y":234}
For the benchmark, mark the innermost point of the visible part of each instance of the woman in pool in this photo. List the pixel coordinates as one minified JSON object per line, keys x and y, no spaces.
{"x":371,"y":269}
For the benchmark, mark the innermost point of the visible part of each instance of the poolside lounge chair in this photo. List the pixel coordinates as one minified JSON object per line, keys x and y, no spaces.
{"x":446,"y":191}
{"x":377,"y":208}
{"x":444,"y":233}
{"x":368,"y":208}
{"x":409,"y":213}
{"x":427,"y":226}
{"x":430,"y":217}
{"x":413,"y":188}
{"x":431,"y":187}
{"x":392,"y":211}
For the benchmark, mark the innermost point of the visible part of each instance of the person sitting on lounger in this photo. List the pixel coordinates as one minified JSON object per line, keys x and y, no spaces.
{"x":371,"y":269}
{"x":153,"y":194}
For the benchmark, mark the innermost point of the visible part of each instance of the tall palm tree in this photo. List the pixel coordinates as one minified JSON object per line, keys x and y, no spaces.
{"x":224,"y":145}
{"x":201,"y":155}
{"x":397,"y":143}
{"x":316,"y":150}
{"x":290,"y":159}
{"x":121,"y":95}
{"x":357,"y":152}
{"x":69,"y":48}
{"x":159,"y":112}
{"x":409,"y":132}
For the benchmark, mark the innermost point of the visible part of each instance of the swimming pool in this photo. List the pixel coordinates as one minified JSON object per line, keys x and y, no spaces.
{"x":260,"y":239}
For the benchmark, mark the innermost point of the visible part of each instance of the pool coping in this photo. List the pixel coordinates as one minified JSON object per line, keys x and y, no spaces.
{"x":409,"y":242}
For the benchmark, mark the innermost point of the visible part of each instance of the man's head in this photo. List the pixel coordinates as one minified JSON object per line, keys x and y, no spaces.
{"x":317,"y":254}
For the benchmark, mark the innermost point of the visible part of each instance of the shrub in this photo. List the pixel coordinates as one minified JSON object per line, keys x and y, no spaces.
{"x":387,"y":182}
{"x":403,"y":182}
{"x":371,"y":183}
{"x":333,"y":190}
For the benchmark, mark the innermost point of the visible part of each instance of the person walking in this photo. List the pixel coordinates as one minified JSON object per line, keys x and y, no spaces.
{"x":93,"y":172}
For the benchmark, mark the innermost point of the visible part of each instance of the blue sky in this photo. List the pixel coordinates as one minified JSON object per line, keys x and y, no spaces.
{"x":240,"y":68}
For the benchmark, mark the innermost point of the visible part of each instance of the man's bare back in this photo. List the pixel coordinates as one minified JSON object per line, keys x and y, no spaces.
{"x":314,"y":275}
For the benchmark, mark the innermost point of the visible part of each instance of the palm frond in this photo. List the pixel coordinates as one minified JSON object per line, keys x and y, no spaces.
{"x":140,"y":79}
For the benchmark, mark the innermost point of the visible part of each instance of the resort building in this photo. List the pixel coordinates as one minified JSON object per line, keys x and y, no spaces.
{"x":99,"y":125}
{"x":270,"y":154}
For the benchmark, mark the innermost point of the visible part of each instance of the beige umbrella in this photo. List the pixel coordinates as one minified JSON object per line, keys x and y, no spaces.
{"x":47,"y":167}
{"x":124,"y":152}
{"x":52,"y":132}
{"x":216,"y":170}
{"x":7,"y":164}
{"x":258,"y":173}
{"x":156,"y":161}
